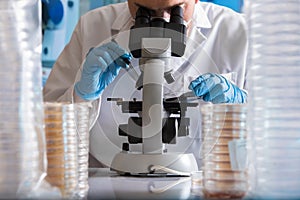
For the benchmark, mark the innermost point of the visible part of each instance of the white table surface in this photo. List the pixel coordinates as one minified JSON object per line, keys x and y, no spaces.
{"x":106,"y":184}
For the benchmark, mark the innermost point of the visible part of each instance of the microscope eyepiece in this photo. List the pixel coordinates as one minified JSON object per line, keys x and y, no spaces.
{"x":143,"y":16}
{"x":156,"y":27}
{"x":177,"y":15}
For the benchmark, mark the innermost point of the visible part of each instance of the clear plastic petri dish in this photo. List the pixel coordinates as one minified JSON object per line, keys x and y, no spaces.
{"x":217,"y":166}
{"x":277,"y":153}
{"x":221,"y":108}
{"x":55,"y":142}
{"x":82,"y":160}
{"x":224,"y":189}
{"x":277,"y":123}
{"x":83,"y":153}
{"x":225,"y":175}
{"x":262,"y":193}
{"x":276,"y":113}
{"x":278,"y":174}
{"x":197,"y":178}
{"x":11,"y":140}
{"x":229,"y":133}
{"x":217,"y":157}
{"x":279,"y":186}
{"x":217,"y":140}
{"x":228,"y":117}
{"x":264,"y":162}
{"x":230,"y":126}
{"x":83,"y":171}
{"x":284,"y":143}
{"x":273,"y":132}
{"x":83,"y":174}
{"x":18,"y":151}
{"x":216,"y":149}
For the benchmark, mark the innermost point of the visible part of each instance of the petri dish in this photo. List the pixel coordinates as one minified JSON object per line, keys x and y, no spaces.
{"x":225,"y":175}
{"x":217,"y":166}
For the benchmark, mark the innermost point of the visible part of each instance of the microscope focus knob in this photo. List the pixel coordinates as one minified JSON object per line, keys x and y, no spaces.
{"x":125,"y":146}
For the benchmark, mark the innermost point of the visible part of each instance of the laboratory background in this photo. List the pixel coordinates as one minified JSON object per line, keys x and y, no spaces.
{"x":249,"y":151}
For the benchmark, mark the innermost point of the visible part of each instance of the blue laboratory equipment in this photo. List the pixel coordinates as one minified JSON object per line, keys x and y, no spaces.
{"x":59,"y":20}
{"x":235,"y":5}
{"x":98,"y":3}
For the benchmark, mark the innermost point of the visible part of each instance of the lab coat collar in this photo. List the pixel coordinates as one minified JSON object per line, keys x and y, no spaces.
{"x":200,"y":18}
{"x":196,"y":37}
{"x":123,"y":20}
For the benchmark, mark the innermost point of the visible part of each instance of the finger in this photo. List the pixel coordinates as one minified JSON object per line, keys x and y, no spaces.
{"x":110,"y":48}
{"x":222,"y":98}
{"x":106,"y":56}
{"x":205,"y":86}
{"x":119,"y":60}
{"x":107,"y":77}
{"x":114,"y":69}
{"x":207,"y":76}
{"x":114,"y":47}
{"x":94,"y":64}
{"x":200,"y":79}
{"x":217,"y":90}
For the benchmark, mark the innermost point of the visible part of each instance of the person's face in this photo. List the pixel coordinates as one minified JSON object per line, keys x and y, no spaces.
{"x":162,"y":8}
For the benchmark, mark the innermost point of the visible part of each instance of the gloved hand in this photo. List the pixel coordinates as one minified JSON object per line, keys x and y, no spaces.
{"x":100,"y":68}
{"x":217,"y":89}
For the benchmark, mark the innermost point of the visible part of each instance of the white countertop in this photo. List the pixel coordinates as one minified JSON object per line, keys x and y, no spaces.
{"x":106,"y":184}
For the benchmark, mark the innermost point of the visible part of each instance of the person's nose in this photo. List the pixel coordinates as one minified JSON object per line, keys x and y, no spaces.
{"x":162,"y":13}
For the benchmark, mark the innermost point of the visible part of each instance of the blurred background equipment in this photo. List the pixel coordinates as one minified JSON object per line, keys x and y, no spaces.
{"x":59,"y":19}
{"x":98,"y":3}
{"x":235,"y":5}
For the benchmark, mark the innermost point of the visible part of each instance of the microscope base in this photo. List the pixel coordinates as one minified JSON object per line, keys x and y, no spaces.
{"x":126,"y":163}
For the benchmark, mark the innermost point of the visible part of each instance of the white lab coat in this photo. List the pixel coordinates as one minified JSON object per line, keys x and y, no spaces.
{"x":217,"y":43}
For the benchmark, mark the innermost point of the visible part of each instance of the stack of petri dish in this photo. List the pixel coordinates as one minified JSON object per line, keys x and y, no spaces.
{"x":82,"y":122}
{"x":227,"y":123}
{"x":274,"y":109}
{"x":61,"y":137}
{"x":67,"y":136}
{"x":206,"y":124}
{"x":21,"y":117}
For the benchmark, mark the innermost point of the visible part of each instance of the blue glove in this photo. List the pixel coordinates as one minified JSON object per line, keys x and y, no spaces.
{"x":217,"y":89}
{"x":100,"y":68}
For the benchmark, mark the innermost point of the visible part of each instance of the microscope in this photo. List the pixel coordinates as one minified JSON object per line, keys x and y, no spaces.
{"x":157,"y":121}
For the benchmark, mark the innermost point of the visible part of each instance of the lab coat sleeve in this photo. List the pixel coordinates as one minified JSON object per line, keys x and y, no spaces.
{"x":59,"y":86}
{"x":235,"y":46}
{"x":67,"y":71}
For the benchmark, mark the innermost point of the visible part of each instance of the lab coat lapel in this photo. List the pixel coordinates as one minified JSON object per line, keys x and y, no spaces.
{"x":183,"y":66}
{"x":195,"y":38}
{"x":120,"y":29}
{"x":194,"y":41}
